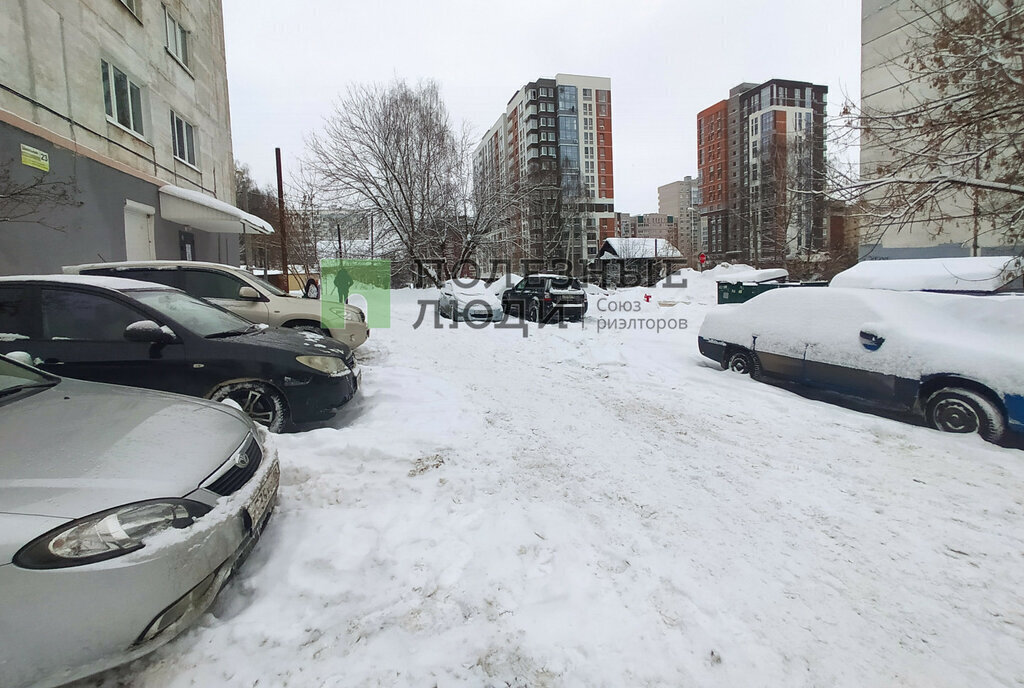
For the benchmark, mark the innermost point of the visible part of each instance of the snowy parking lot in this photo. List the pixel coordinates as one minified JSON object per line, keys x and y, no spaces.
{"x":607,"y":508}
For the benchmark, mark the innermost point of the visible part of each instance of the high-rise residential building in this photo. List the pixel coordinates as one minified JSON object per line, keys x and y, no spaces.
{"x":681,"y":200}
{"x":117,"y":110}
{"x":889,"y":31}
{"x":555,"y":138}
{"x":761,"y":157}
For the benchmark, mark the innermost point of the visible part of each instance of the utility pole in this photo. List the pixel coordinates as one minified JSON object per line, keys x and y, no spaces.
{"x":281,"y":221}
{"x":371,"y":237}
{"x":337,"y":226}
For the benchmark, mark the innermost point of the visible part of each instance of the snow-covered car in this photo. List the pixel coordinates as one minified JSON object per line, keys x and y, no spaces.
{"x":122,"y":513}
{"x":242,"y":293}
{"x":546,"y":297}
{"x":468,"y":299}
{"x":955,"y":359}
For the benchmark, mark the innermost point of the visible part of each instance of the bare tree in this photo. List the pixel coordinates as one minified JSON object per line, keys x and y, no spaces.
{"x":952,"y":155}
{"x":33,"y":198}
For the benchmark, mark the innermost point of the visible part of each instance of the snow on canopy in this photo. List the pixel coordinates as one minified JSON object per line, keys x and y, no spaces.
{"x":624,"y":248}
{"x":925,"y":333}
{"x":968,"y":274}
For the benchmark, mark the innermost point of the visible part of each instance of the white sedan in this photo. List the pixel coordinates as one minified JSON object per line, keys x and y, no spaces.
{"x":469,"y":299}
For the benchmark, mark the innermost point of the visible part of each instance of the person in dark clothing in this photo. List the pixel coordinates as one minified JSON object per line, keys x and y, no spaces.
{"x":342,"y":282}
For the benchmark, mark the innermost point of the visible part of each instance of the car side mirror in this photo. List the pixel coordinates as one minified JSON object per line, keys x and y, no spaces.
{"x":871,"y":341}
{"x":148,"y":331}
{"x":247,"y":293}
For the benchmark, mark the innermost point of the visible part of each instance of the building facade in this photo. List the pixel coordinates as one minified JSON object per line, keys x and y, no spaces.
{"x":555,"y":139}
{"x":761,"y":155}
{"x":889,"y":31}
{"x":116,"y":113}
{"x":681,"y":200}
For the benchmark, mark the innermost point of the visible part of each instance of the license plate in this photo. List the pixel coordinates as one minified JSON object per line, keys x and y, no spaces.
{"x":264,"y":498}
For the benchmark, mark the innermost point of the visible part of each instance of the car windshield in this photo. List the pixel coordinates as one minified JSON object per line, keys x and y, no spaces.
{"x":197,"y":315}
{"x":266,"y":285}
{"x":14,"y":377}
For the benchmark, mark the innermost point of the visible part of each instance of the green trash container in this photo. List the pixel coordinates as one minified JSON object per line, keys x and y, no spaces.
{"x":740,"y":292}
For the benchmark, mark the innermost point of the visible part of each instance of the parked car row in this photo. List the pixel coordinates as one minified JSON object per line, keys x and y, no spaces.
{"x":537,"y":298}
{"x":121,"y":500}
{"x":146,"y":334}
{"x":953,"y":359}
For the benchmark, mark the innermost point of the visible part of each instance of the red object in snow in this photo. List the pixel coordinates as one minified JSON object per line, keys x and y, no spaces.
{"x":647,"y":298}
{"x":703,"y":258}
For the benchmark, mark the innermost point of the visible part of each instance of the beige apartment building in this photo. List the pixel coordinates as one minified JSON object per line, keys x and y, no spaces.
{"x":888,"y":31}
{"x":118,"y":111}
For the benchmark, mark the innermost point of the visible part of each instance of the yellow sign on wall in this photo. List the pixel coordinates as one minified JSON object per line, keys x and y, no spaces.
{"x":33,"y":157}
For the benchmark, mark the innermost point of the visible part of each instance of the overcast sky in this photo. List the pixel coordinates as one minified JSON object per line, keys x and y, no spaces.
{"x":667,"y":60}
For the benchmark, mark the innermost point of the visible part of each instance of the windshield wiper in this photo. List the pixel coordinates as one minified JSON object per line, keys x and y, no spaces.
{"x":30,"y":385}
{"x":233,"y":333}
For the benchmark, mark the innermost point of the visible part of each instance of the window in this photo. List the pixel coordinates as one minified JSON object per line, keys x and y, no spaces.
{"x":122,"y":98}
{"x":130,"y":4}
{"x":177,"y":38}
{"x":212,"y":285}
{"x":183,"y":139}
{"x":81,"y":316}
{"x":587,"y":94}
{"x":15,"y":322}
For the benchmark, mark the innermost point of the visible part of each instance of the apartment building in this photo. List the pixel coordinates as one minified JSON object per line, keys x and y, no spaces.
{"x":115,"y":113}
{"x":889,"y":30}
{"x":761,"y":157}
{"x":681,"y":200}
{"x":555,"y":139}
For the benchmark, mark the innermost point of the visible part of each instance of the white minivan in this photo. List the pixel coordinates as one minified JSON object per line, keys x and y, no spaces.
{"x":240,"y":292}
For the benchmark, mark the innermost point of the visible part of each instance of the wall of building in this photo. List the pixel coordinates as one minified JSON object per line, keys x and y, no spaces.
{"x":52,"y":98}
{"x":888,"y":31}
{"x":50,"y":54}
{"x":91,"y":227}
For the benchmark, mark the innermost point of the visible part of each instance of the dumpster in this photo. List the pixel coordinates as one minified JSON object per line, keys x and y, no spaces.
{"x":739,"y":292}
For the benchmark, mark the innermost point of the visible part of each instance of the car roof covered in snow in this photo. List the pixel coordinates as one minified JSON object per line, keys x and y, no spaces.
{"x":966,"y":274}
{"x":925,"y":333}
{"x":114,"y":283}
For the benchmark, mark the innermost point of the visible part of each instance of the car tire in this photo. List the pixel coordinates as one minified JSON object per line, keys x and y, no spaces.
{"x":745,"y":363}
{"x":533,"y":314}
{"x":955,"y":409}
{"x":258,"y":400}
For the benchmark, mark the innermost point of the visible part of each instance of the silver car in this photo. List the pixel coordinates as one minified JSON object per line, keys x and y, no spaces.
{"x":122,"y":513}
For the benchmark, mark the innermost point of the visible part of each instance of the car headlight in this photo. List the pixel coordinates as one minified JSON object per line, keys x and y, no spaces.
{"x":332,"y":365}
{"x":107,"y":534}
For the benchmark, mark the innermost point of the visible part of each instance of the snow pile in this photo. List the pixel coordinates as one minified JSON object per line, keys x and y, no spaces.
{"x":757,"y":276}
{"x":500,"y":285}
{"x":978,"y":274}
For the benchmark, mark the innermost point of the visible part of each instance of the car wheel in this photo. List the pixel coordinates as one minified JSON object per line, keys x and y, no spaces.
{"x":259,"y":401}
{"x":745,"y":363}
{"x":954,"y":409}
{"x":533,"y":315}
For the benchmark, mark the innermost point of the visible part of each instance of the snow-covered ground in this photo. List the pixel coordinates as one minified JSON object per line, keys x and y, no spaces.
{"x":606,"y":508}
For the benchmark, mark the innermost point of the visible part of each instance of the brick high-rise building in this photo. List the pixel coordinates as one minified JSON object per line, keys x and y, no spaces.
{"x":760,"y":154}
{"x":555,"y":133}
